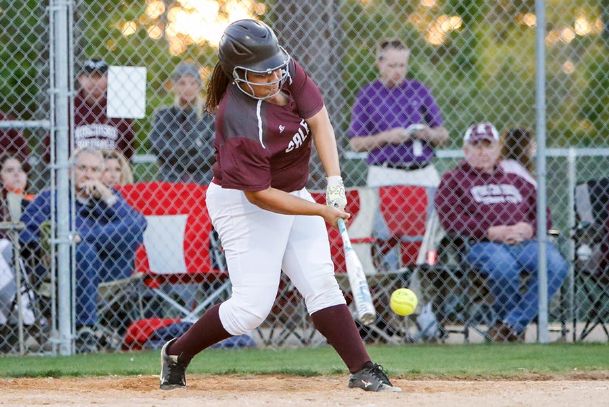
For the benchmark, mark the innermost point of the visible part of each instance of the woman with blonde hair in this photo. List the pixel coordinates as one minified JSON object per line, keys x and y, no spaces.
{"x":182,"y":134}
{"x":117,"y":169}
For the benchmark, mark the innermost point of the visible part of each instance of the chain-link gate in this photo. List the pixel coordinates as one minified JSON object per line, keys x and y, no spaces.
{"x":434,"y":107}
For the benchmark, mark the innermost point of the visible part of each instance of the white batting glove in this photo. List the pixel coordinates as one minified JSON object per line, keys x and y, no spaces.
{"x":335,"y":192}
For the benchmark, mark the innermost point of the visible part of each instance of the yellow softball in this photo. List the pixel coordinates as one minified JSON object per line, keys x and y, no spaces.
{"x":403,"y":301}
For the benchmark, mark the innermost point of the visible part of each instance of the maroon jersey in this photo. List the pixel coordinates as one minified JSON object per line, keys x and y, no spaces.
{"x":259,"y":144}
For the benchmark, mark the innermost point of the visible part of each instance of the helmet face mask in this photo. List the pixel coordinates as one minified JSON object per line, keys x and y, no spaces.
{"x":240,"y":77}
{"x":250,"y":46}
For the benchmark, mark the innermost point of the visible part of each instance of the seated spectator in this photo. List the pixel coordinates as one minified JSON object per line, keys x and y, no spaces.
{"x":518,"y":152}
{"x":182,"y":134}
{"x":12,"y":202}
{"x":92,"y":126}
{"x":117,"y":169}
{"x":496,"y":212}
{"x":13,"y":141}
{"x":109,"y":229}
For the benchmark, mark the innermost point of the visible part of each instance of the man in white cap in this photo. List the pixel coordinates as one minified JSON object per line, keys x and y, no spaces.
{"x":496,"y":213}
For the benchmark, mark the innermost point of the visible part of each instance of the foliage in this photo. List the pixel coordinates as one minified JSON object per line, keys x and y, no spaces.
{"x":484,"y":69}
{"x":23,"y":48}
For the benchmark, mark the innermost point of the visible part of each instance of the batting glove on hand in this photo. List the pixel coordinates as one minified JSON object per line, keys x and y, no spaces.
{"x":335,"y":192}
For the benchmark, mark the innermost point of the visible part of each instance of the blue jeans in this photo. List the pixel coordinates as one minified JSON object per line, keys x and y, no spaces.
{"x":501,"y":264}
{"x":95,"y":264}
{"x":88,"y":266}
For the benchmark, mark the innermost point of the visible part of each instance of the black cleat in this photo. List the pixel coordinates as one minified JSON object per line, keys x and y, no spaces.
{"x":372,"y":378}
{"x":173,"y":372}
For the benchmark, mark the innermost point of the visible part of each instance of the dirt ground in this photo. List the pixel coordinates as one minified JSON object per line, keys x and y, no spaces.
{"x":241,"y":391}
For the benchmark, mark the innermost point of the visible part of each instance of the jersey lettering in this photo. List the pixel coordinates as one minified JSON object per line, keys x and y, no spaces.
{"x":102,"y":136}
{"x":299,"y":138}
{"x":492,"y":194}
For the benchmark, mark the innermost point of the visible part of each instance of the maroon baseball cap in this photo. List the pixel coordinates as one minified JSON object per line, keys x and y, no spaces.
{"x":481,"y":131}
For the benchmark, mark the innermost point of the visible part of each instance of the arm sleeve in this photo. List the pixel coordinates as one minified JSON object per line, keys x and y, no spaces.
{"x":245,"y":165}
{"x":532,"y":204}
{"x":359,"y":117}
{"x":124,"y":225}
{"x":452,"y":215}
{"x":157,"y":135}
{"x":34,"y":215}
{"x":306,"y":93}
{"x":432,"y":113}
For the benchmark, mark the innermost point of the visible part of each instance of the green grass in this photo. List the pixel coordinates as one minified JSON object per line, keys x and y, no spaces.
{"x":460,"y":361}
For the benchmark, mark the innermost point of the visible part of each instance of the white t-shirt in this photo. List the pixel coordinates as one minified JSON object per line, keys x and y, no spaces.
{"x":514,"y":167}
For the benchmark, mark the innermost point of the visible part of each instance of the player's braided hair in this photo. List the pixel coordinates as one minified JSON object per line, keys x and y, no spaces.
{"x":216,"y":87}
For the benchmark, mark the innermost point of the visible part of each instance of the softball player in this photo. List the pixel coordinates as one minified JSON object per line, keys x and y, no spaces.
{"x":267,"y":112}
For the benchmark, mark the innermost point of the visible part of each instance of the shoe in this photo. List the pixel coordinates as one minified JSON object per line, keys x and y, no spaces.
{"x":501,"y":332}
{"x":372,"y":378}
{"x":173,"y":372}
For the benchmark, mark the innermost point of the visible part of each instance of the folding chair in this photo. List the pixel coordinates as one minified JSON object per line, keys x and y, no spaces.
{"x":407,"y":229}
{"x":20,"y":315}
{"x":592,"y":256}
{"x":362,"y":204}
{"x":407,"y":224}
{"x":465,"y":302}
{"x":178,"y":244}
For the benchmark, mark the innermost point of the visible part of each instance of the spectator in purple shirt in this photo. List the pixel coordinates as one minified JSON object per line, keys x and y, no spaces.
{"x":496,"y":212}
{"x":398,"y":123}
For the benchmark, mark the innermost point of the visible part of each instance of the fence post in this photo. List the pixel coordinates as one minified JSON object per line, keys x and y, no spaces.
{"x":60,"y":48}
{"x":540,"y":107}
{"x":571,"y":222}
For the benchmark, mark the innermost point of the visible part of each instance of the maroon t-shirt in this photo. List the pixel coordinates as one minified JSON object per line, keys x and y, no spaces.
{"x":93,"y":128}
{"x":259,"y":144}
{"x":470,"y":201}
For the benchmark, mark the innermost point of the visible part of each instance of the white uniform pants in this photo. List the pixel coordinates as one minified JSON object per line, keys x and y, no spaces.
{"x":379,"y":176}
{"x":258,"y":244}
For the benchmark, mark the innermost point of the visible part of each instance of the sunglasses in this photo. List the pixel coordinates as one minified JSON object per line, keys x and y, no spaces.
{"x":93,"y":65}
{"x":397,"y":44}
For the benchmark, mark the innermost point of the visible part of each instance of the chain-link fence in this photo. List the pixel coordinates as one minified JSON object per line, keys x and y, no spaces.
{"x":450,"y":216}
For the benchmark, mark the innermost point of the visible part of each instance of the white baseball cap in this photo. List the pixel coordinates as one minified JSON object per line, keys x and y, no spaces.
{"x":481,"y":131}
